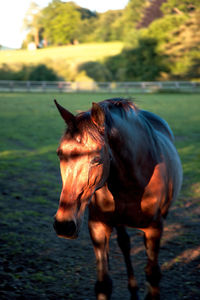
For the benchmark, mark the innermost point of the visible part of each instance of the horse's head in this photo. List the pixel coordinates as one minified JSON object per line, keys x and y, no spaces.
{"x":84,"y":165}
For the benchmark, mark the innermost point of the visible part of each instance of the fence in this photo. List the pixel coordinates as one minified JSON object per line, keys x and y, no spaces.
{"x":101,"y":87}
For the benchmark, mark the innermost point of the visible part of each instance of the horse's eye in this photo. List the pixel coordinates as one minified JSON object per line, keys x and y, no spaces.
{"x":78,"y":139}
{"x":96,"y":160}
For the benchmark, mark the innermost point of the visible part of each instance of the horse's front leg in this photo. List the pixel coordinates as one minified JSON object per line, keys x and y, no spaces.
{"x":100,"y":234}
{"x":124,"y":244}
{"x":153,"y":275}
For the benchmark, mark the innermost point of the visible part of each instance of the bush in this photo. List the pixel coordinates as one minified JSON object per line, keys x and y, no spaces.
{"x":42,"y":73}
{"x":96,"y":71}
{"x":117,"y":67}
{"x":32,"y":73}
{"x":6,"y":73}
{"x":141,"y":63}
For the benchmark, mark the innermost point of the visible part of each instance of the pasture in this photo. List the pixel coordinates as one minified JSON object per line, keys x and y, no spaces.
{"x":78,"y":53}
{"x":64,"y":60}
{"x":35,"y":263}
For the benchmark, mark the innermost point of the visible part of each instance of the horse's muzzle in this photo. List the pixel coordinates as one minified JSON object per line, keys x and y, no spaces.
{"x":66,"y":229}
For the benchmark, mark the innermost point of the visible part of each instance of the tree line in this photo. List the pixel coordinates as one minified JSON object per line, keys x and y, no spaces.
{"x":161,"y":37}
{"x":62,"y":23}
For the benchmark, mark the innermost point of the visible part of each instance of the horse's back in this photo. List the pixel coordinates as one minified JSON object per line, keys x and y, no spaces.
{"x":157,"y":123}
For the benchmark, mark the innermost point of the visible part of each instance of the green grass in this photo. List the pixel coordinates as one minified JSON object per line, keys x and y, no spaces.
{"x":78,"y":53}
{"x":31,"y":128}
{"x":63,"y":60}
{"x":182,"y":112}
{"x":35,"y":263}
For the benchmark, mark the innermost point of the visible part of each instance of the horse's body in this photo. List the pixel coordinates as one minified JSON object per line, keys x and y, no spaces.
{"x":122,"y":162}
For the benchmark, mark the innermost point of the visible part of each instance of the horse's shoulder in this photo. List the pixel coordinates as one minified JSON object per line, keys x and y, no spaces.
{"x":157,"y":123}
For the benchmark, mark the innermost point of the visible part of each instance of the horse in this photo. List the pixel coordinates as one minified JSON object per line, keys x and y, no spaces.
{"x":121,"y":163}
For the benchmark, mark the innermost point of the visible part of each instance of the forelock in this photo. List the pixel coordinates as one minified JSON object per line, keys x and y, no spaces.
{"x":87,"y":127}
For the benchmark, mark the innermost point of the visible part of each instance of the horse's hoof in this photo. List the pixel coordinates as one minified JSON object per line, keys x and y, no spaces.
{"x":134,"y":296}
{"x":102,"y":297}
{"x":152,"y":297}
{"x":103,"y":289}
{"x":134,"y":293}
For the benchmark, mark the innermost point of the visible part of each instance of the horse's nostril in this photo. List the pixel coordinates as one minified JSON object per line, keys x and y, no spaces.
{"x":70,"y":227}
{"x":66,"y":228}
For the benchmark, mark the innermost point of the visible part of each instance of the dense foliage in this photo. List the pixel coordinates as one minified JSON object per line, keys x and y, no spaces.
{"x":39,"y":72}
{"x":162,"y":37}
{"x":61,"y":23}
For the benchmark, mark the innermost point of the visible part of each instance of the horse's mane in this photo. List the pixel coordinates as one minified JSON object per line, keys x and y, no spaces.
{"x":119,"y":106}
{"x":120,"y":103}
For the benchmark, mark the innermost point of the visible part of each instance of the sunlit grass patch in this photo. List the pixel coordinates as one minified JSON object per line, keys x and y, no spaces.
{"x":63,"y":61}
{"x":78,"y":53}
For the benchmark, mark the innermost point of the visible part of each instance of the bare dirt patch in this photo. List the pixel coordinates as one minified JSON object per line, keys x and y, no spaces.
{"x":35,"y":264}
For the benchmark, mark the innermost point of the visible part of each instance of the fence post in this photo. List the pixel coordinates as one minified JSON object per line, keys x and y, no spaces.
{"x":193,"y":85}
{"x":28,"y":86}
{"x":44,"y":85}
{"x":11,"y":86}
{"x":126,"y":88}
{"x":177,"y":85}
{"x":77,"y":86}
{"x":60,"y":86}
{"x":143,"y":85}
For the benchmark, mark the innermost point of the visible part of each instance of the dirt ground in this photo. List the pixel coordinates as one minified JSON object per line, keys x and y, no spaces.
{"x":36,"y":264}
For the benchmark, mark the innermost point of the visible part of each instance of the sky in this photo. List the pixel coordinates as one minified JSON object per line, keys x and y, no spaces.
{"x":12,"y":13}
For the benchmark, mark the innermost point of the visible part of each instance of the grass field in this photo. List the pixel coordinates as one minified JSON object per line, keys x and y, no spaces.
{"x":63,"y":60}
{"x":31,"y":126}
{"x":78,"y":53}
{"x":30,"y":185}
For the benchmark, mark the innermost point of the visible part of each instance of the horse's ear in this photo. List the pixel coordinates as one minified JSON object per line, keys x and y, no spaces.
{"x":68,"y":117}
{"x":98,"y":116}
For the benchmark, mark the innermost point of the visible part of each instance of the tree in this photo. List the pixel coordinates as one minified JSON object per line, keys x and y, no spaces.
{"x":144,"y":62}
{"x":183,"y":48}
{"x":141,"y":63}
{"x":32,"y":23}
{"x":107,"y":29}
{"x":133,"y":11}
{"x":87,"y":26}
{"x":180,"y":6}
{"x":131,"y":16}
{"x":60,"y":22}
{"x":151,"y":13}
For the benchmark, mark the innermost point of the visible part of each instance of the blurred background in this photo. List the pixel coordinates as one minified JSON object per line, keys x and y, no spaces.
{"x":133,"y":40}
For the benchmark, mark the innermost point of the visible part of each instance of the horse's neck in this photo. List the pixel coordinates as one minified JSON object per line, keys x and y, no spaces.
{"x":127,"y":137}
{"x":131,"y":147}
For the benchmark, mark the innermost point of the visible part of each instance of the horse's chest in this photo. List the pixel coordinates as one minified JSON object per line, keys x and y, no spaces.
{"x":133,"y":208}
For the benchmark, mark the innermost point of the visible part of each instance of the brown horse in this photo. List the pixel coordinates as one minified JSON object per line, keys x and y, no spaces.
{"x":122,"y":163}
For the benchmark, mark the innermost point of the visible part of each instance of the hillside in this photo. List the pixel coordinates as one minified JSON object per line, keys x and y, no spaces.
{"x":151,"y":13}
{"x":65,"y":61}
